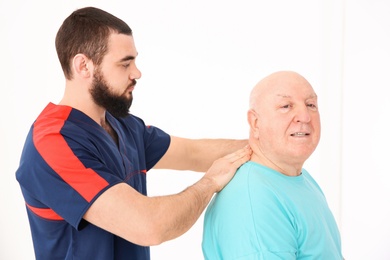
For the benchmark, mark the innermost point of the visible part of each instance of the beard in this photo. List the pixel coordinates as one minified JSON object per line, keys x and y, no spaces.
{"x":117,"y":105}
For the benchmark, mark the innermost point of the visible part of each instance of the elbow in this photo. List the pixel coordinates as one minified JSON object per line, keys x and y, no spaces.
{"x":152,"y":238}
{"x":156,"y":240}
{"x":152,"y":234}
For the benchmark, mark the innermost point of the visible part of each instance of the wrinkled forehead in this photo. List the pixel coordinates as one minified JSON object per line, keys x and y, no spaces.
{"x":281,"y":86}
{"x":291,"y":90}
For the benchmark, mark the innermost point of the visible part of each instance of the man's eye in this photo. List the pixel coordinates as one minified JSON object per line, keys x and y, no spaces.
{"x":286,"y":106}
{"x":126,"y":65}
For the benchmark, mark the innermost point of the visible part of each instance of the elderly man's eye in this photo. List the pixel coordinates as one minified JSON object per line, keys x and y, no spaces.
{"x":312,"y":106}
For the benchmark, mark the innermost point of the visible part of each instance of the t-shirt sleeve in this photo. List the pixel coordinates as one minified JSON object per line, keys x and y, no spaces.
{"x":155,"y":142}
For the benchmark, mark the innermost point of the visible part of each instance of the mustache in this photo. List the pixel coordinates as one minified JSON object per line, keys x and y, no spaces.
{"x":133,"y":83}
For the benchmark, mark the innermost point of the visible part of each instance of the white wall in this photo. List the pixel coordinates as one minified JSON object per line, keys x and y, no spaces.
{"x":200,"y":60}
{"x":365,"y":143}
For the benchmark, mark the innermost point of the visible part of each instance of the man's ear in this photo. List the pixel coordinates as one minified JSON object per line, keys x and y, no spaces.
{"x":82,"y":66}
{"x":253,"y":119}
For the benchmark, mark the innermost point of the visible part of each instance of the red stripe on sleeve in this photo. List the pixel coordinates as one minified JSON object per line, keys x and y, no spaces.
{"x":55,"y":151}
{"x":45,"y":213}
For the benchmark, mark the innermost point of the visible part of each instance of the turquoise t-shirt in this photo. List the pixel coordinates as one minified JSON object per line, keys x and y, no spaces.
{"x":263,"y":214}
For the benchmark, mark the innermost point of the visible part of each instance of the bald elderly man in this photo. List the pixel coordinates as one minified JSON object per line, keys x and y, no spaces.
{"x":273,"y":208}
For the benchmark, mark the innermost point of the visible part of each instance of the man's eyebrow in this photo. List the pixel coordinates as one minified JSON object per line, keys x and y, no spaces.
{"x":127,"y":58}
{"x":288,"y":96}
{"x":283,"y":95}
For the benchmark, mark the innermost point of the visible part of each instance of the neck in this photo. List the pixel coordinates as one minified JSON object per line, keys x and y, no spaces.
{"x":106,"y":126}
{"x":276,"y":164}
{"x":87,"y":106}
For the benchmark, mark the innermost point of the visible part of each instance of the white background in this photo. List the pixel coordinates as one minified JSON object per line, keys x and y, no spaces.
{"x":199,"y":60}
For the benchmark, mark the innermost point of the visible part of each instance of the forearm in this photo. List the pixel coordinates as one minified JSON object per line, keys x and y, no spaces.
{"x":149,"y":221}
{"x":197,"y":154}
{"x":206,"y":151}
{"x":176,"y":214}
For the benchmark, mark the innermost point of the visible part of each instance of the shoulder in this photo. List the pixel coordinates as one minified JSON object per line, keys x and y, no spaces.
{"x":251,"y":184}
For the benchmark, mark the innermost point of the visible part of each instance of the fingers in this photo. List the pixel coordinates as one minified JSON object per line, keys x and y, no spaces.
{"x":239,"y":155}
{"x":224,"y":168}
{"x":242,"y":156}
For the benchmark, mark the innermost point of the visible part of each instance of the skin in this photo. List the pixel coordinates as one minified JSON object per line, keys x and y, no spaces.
{"x":284,"y":122}
{"x":122,"y":210}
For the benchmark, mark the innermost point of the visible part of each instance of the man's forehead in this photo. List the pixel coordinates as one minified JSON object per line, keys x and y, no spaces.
{"x":121,"y":45}
{"x":290,"y":88}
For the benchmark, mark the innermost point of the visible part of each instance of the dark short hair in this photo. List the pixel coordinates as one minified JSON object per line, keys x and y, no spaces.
{"x":87,"y":31}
